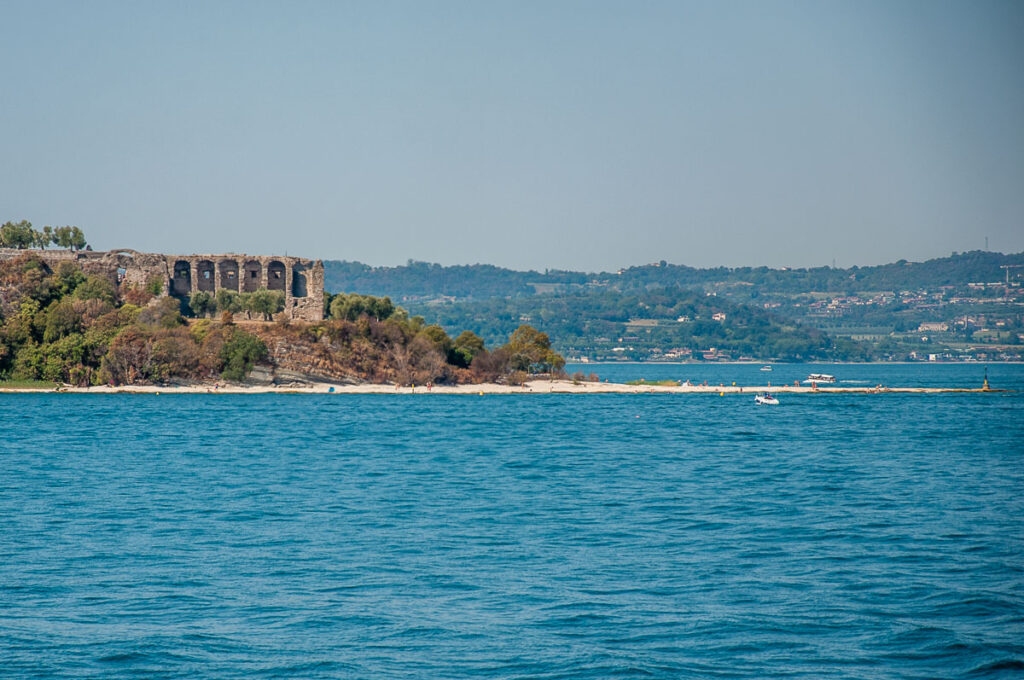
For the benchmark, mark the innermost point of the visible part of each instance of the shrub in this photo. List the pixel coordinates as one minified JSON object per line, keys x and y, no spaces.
{"x":175,"y":354}
{"x":165,"y":313}
{"x":239,"y":354}
{"x":518,"y":378}
{"x":136,"y":295}
{"x":489,"y":366}
{"x":95,"y":288}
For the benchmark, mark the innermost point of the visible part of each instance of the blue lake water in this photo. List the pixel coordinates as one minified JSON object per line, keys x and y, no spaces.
{"x":1008,"y":376}
{"x":523,"y":536}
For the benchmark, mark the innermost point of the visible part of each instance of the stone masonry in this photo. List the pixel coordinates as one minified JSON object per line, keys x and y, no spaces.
{"x":301,"y":280}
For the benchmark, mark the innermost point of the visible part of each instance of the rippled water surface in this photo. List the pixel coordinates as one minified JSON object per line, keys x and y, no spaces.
{"x":547,"y":536}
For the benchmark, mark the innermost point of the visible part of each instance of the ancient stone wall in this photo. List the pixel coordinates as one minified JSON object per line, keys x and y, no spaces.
{"x":301,"y":280}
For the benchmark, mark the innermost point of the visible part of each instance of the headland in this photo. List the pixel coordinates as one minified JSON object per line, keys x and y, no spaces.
{"x":529,"y":387}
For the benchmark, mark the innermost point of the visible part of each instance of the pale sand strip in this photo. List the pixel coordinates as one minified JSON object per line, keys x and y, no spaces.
{"x":534,"y":387}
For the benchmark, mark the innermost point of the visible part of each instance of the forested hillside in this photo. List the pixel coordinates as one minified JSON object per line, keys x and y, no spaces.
{"x":421,"y":280}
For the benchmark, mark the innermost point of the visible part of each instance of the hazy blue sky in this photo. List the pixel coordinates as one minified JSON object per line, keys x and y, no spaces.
{"x":586,"y":135}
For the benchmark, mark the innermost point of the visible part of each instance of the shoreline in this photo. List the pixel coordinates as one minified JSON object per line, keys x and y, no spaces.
{"x":788,"y":363}
{"x":532,"y":387}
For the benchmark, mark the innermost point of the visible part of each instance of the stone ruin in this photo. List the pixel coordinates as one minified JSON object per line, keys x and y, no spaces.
{"x":301,"y":280}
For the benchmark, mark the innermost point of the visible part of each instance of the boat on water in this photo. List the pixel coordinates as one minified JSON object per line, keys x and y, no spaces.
{"x":766,"y":368}
{"x":820,"y":378}
{"x":766,"y":400}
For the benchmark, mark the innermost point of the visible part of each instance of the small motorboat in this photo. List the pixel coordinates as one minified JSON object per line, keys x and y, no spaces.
{"x":766,"y":400}
{"x":820,"y":378}
{"x":766,"y":368}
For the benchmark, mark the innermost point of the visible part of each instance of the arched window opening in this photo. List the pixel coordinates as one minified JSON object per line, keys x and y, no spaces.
{"x":182,"y":283}
{"x":205,"y":274}
{"x":229,"y":275}
{"x":251,"y":276}
{"x":299,"y":281}
{"x":276,"y":279}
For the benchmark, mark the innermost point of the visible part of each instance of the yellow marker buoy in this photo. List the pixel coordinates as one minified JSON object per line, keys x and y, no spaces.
{"x":721,"y":394}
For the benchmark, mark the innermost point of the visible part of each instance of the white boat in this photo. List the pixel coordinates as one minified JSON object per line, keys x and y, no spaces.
{"x":766,"y":368}
{"x":820,"y":378}
{"x":766,"y":400}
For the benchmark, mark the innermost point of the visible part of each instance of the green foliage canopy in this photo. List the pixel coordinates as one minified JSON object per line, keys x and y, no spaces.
{"x":21,"y":235}
{"x":351,"y":306}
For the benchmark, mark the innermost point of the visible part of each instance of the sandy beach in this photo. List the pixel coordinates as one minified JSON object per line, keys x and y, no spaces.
{"x":532,"y":387}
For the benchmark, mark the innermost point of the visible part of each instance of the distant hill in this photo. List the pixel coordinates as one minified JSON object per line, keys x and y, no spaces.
{"x":421,"y":281}
{"x":819,"y":313}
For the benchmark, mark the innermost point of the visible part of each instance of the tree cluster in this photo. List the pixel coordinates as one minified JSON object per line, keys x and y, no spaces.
{"x":263,"y":303}
{"x":350,"y":306}
{"x":21,"y":235}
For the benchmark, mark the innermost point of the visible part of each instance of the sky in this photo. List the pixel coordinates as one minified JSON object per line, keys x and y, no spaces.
{"x":571,"y":135}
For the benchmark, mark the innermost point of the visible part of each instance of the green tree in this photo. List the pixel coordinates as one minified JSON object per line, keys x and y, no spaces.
{"x":69,"y":237}
{"x":96,"y":288}
{"x":18,"y":235}
{"x":68,"y":278}
{"x":351,"y":306}
{"x":62,"y":237}
{"x":239,"y":354}
{"x":465,"y":348}
{"x":530,"y":351}
{"x":228,"y":301}
{"x":436,"y":336}
{"x":267,"y":302}
{"x":40,"y":239}
{"x":61,"y":320}
{"x":202,"y":303}
{"x":78,"y":241}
